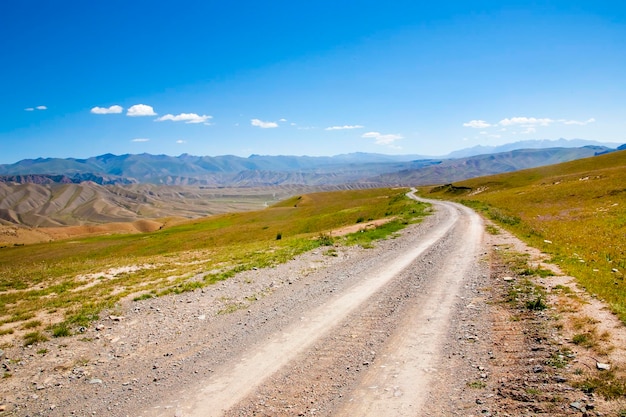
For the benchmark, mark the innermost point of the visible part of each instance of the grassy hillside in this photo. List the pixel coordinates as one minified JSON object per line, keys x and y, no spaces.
{"x":575,"y":211}
{"x":48,"y":289}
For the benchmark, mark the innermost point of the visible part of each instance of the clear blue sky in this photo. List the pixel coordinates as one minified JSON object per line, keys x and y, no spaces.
{"x":83,"y":78}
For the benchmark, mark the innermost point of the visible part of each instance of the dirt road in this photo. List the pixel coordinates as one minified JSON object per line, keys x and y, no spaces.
{"x":421,"y":324}
{"x":351,"y":332}
{"x":398,"y":380}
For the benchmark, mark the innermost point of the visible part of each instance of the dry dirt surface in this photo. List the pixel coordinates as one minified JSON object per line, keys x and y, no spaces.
{"x":415,"y":326}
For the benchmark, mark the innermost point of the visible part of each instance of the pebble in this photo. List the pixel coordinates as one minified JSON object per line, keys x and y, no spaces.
{"x":603,"y":366}
{"x":577,"y":406}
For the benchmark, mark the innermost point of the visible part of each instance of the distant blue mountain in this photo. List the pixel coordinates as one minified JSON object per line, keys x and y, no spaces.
{"x":528,"y":144}
{"x":258,"y":170}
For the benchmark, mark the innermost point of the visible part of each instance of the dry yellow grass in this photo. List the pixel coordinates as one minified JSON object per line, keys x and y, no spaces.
{"x":574,"y":211}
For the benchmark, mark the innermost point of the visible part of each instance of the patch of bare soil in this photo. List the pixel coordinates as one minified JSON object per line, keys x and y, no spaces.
{"x":358,"y":227}
{"x":67,"y":232}
{"x":18,"y":235}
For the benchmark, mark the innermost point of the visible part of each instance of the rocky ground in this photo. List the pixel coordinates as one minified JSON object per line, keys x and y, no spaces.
{"x":499,"y":357}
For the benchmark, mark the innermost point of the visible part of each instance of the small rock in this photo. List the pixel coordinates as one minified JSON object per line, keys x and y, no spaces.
{"x":507,"y":279}
{"x":117,"y":318}
{"x":560,"y":379}
{"x":95,"y":381}
{"x":1,"y":354}
{"x":603,"y":366}
{"x":577,"y":406}
{"x":537,"y":369}
{"x":99,"y":327}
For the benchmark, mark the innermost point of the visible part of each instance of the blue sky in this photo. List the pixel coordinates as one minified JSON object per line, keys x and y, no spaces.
{"x":82,"y":78}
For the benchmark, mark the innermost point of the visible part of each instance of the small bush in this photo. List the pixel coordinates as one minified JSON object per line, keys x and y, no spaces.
{"x":31,"y":324}
{"x":61,"y":330}
{"x":476,"y":384}
{"x":605,"y":385}
{"x":583,"y":339}
{"x":279,"y":236}
{"x":536,"y":304}
{"x":6,"y":331}
{"x":325,"y":240}
{"x":144,"y":296}
{"x":34,"y":337}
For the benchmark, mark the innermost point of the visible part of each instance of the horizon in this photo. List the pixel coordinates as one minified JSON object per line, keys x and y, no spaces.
{"x":613,"y":145}
{"x":243,"y":79}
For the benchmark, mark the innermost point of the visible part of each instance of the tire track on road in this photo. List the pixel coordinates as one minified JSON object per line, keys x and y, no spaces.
{"x":232,"y":384}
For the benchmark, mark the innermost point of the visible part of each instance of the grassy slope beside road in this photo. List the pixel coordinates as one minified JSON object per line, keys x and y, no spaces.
{"x":52,"y":288}
{"x":574,"y":211}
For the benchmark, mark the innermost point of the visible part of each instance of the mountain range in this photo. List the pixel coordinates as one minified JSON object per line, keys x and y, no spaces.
{"x":49,"y":192}
{"x":263,"y":170}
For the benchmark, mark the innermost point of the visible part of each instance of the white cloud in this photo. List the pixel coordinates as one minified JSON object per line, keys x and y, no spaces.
{"x":36,"y":108}
{"x":525,"y":121}
{"x":262,"y":124}
{"x":477,"y":124}
{"x":528,"y":130}
{"x":282,"y":120}
{"x":382,"y":139}
{"x":185,"y":117}
{"x":140,"y":110}
{"x":181,"y":141}
{"x":115,"y":109}
{"x":344,"y":127}
{"x":140,"y":140}
{"x":576,"y":122}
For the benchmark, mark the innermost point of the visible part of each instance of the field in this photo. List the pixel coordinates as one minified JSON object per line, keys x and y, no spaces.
{"x":575,"y":212}
{"x":55,"y":288}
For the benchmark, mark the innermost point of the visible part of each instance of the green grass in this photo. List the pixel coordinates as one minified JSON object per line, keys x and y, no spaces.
{"x":605,"y":384}
{"x":476,"y":384}
{"x":584,"y":340}
{"x":575,"y":212}
{"x":78,"y":278}
{"x":34,"y":338}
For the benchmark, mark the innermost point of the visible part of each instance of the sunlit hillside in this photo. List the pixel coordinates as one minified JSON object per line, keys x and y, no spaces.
{"x":575,"y":211}
{"x":54,"y":287}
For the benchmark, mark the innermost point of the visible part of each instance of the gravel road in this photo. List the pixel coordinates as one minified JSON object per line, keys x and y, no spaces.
{"x":411,"y":342}
{"x":359,"y":332}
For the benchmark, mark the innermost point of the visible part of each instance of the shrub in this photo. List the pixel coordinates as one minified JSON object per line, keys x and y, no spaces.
{"x":61,"y":330}
{"x":34,"y":337}
{"x":536,"y":304}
